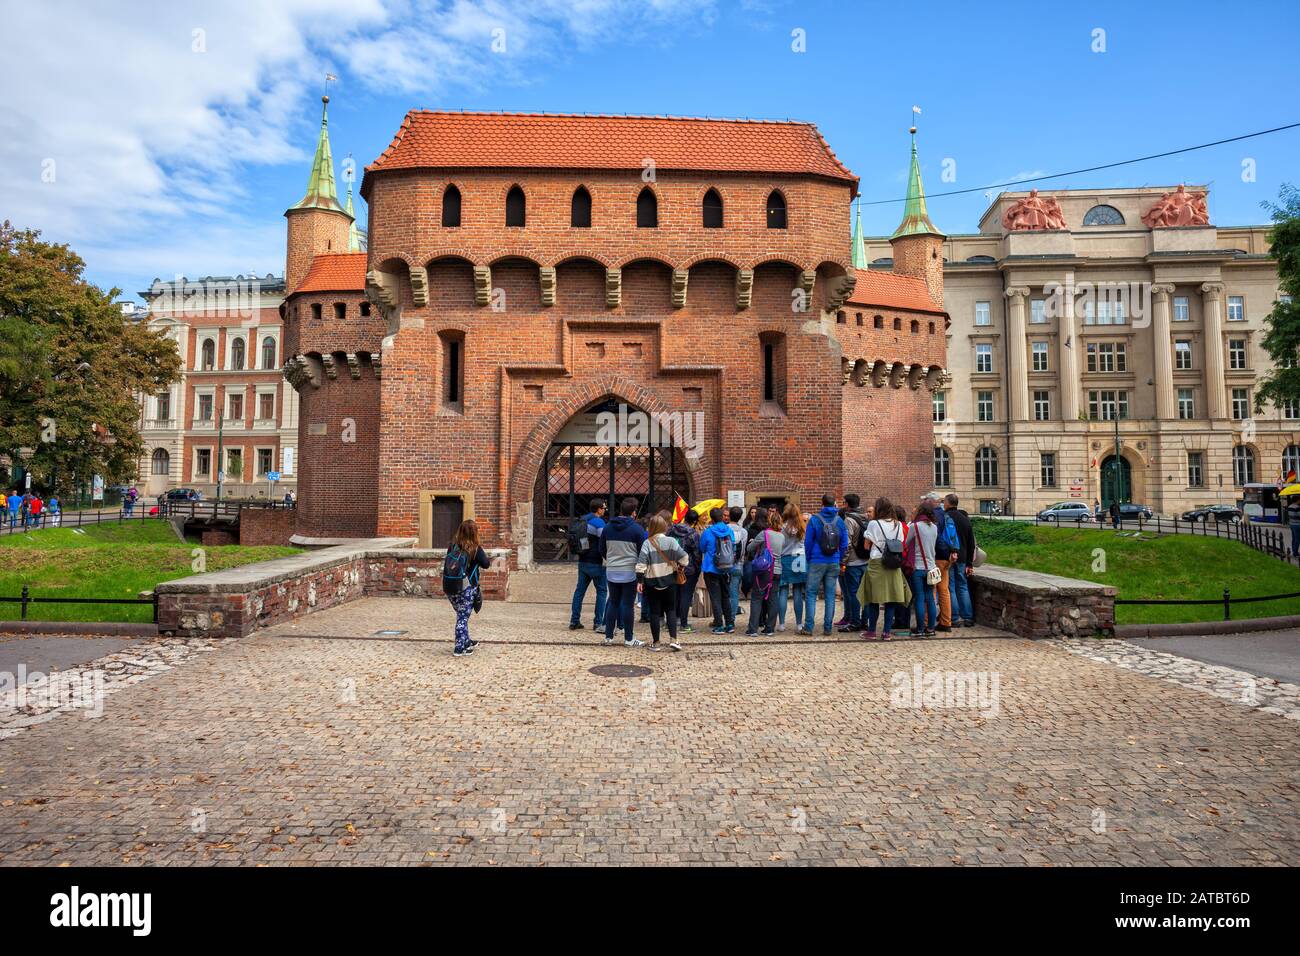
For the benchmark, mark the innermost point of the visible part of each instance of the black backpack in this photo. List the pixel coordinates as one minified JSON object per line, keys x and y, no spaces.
{"x":828,"y":539}
{"x":454,"y":571}
{"x":859,"y":544}
{"x":579,"y":535}
{"x":891,"y":552}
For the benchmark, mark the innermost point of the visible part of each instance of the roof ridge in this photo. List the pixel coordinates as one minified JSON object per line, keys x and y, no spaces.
{"x":561,"y":114}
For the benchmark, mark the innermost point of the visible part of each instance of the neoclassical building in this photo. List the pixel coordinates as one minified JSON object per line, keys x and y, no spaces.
{"x":528,"y":272}
{"x":1163,"y":342}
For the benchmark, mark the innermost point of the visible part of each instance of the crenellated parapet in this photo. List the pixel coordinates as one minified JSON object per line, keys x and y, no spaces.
{"x":312,"y":369}
{"x":891,"y":373}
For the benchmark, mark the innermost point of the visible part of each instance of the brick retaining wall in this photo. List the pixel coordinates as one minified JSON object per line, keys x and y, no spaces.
{"x":259,"y":526}
{"x":1035,"y":605}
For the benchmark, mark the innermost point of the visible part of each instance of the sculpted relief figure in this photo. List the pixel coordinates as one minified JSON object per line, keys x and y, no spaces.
{"x":1033,"y":212}
{"x":1178,"y":208}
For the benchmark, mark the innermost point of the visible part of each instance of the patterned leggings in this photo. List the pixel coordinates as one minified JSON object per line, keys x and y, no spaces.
{"x":464,"y":605}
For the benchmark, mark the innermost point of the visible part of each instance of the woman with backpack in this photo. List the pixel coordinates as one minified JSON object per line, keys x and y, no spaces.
{"x":925,"y":572}
{"x":660,"y":571}
{"x":764,"y":552}
{"x":903,"y":612}
{"x":794,"y":567}
{"x":460,"y":571}
{"x":883,"y":583}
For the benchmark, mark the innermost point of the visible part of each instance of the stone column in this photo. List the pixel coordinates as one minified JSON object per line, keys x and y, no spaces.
{"x":1017,"y":372}
{"x":1215,"y":388}
{"x":1162,"y":344}
{"x":1069,"y":349}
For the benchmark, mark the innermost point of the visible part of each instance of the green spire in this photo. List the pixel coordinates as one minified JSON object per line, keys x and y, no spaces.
{"x":916,"y":221}
{"x":859,"y":248}
{"x":320,"y":184}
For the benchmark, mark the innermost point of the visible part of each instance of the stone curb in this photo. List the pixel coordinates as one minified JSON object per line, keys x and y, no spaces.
{"x":80,"y":628}
{"x":1198,"y":628}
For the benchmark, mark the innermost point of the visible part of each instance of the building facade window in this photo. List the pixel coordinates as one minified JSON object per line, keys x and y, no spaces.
{"x":1103,"y":215}
{"x":1047,"y":469}
{"x":1107,"y":357}
{"x":983,"y":357}
{"x":1243,"y":465}
{"x":777,"y":217}
{"x":268,"y":353}
{"x":1195,"y":469}
{"x":983,"y":314}
{"x":161,"y":463}
{"x":453,"y":369}
{"x":516,"y":208}
{"x":266,"y":406}
{"x":711,"y":210}
{"x":265,"y":461}
{"x":235,"y":409}
{"x":234,"y":464}
{"x":986,"y":468}
{"x":1042,"y":406}
{"x":208,"y":355}
{"x":942,"y":468}
{"x":1236,"y":308}
{"x":647,"y":209}
{"x":1236,"y":353}
{"x":939,"y":407}
{"x":450,"y":207}
{"x":1037,"y":311}
{"x":580,"y":209}
{"x":237,"y":354}
{"x":1241,"y":404}
{"x":984,"y":406}
{"x":163,"y":406}
{"x":1182,"y":354}
{"x":1039,"y":350}
{"x":1290,"y":408}
{"x":1106,"y":405}
{"x":203,"y":462}
{"x":1182,"y":312}
{"x":1186,"y":404}
{"x":1291,"y":460}
{"x":205,"y":408}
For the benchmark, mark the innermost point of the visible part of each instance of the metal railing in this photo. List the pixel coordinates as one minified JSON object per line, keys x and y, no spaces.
{"x":1270,"y":539}
{"x":1227,"y":601}
{"x":26,"y":600}
{"x":143,"y":511}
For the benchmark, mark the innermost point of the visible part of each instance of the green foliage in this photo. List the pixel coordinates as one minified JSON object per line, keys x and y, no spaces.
{"x":71,"y":366}
{"x":114,"y":560}
{"x":1282,"y":325}
{"x":988,"y":531}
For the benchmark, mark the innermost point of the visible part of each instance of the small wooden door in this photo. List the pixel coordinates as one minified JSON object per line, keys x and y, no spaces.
{"x":445,"y":516}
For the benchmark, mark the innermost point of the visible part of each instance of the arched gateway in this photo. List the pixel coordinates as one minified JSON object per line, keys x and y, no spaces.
{"x":610,"y":451}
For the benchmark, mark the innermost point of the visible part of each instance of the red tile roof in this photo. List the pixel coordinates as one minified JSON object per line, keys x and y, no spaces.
{"x":335,"y":272}
{"x":888,"y":290}
{"x":578,"y":141}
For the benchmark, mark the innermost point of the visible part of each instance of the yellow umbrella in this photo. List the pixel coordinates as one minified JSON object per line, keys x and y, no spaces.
{"x":1290,"y":490}
{"x":707,"y":505}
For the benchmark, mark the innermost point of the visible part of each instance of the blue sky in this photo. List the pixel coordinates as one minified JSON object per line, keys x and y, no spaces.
{"x":180,"y":132}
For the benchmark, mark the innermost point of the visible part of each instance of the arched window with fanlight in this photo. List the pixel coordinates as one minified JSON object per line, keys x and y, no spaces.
{"x":580,"y":209}
{"x":237,"y":354}
{"x":268,"y":352}
{"x":1243,"y":465}
{"x":776,"y":211}
{"x":986,"y":467}
{"x":1103,"y":215}
{"x":942,"y":467}
{"x":712,"y":209}
{"x":647,"y":209}
{"x":208,"y":355}
{"x":516,"y":207}
{"x":162,"y":462}
{"x":451,"y":207}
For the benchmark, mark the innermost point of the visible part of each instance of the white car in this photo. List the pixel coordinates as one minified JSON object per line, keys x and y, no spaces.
{"x":1076,"y":511}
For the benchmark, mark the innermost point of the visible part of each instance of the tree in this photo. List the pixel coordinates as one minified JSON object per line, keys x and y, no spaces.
{"x":1282,"y":336}
{"x":71,"y":367}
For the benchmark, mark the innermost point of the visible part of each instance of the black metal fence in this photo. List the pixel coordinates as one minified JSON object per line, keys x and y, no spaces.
{"x":1227,"y":601}
{"x":26,"y":600}
{"x":214,"y":511}
{"x":1270,"y":539}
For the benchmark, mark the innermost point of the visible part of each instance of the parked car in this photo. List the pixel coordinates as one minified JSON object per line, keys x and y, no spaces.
{"x":1131,"y":512}
{"x":1213,"y":513}
{"x":1076,"y":511}
{"x":183,"y":494}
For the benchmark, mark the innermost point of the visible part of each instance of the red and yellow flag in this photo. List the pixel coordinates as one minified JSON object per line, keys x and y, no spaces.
{"x":679,"y":510}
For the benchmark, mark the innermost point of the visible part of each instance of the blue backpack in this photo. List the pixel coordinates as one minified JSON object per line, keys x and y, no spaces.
{"x":456,"y":572}
{"x":948,"y":542}
{"x":763,"y":560}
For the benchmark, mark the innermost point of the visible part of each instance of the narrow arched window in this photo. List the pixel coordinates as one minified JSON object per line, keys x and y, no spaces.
{"x":776,"y":218}
{"x":208,"y":358}
{"x":268,"y":352}
{"x":647,"y":209}
{"x":580,"y":209}
{"x":451,"y":206}
{"x":516,"y":207}
{"x":162,"y":461}
{"x":237,"y":354}
{"x":712,"y":210}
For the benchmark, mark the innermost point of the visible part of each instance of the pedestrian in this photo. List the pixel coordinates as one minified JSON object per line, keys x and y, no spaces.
{"x":765,"y":550}
{"x":742,"y":541}
{"x":660,"y":571}
{"x":14,"y":504}
{"x":620,"y":543}
{"x":903,"y":612}
{"x":963,"y":612}
{"x":922,"y":537}
{"x":717,"y":558}
{"x":945,"y":556}
{"x":55,"y":511}
{"x":855,"y":564}
{"x":825,"y":542}
{"x":883,"y":584}
{"x":794,"y":567}
{"x":584,"y":543}
{"x":688,"y":536}
{"x":1293,"y":520}
{"x":1114,"y":514}
{"x":38,"y":510}
{"x":460,"y":581}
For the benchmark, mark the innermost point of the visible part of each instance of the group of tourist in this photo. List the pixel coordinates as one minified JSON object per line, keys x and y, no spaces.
{"x":32,"y":511}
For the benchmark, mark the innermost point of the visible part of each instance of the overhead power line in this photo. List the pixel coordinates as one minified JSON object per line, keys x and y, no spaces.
{"x":1090,"y":169}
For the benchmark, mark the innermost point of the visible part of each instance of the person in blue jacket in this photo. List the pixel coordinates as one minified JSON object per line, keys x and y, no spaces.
{"x":823,"y":565}
{"x":718,"y":570}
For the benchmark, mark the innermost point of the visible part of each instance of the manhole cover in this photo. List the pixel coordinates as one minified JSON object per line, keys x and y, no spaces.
{"x":620,"y":670}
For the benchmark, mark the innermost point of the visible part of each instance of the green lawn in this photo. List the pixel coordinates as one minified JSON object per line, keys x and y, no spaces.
{"x":1171,"y":567}
{"x":107,"y":561}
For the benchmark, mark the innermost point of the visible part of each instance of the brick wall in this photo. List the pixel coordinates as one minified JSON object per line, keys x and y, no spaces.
{"x":262,"y":526}
{"x":1036,"y":605}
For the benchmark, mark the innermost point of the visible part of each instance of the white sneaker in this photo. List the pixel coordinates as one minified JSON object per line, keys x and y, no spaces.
{"x":634,"y":643}
{"x":608,"y":642}
{"x":675,"y":646}
{"x":780,"y":627}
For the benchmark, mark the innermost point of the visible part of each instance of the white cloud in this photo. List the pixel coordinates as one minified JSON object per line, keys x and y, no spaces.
{"x":127,"y":129}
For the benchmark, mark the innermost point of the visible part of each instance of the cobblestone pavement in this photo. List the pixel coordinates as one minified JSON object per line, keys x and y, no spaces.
{"x":291,"y":748}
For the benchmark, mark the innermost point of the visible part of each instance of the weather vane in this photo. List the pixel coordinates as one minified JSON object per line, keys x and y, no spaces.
{"x":916,"y":111}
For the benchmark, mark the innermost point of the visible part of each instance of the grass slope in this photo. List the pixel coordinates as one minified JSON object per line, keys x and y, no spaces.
{"x":107,"y":561}
{"x":1170,"y":567}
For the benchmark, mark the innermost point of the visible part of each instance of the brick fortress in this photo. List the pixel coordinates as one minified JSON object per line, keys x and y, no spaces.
{"x":524,"y":270}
